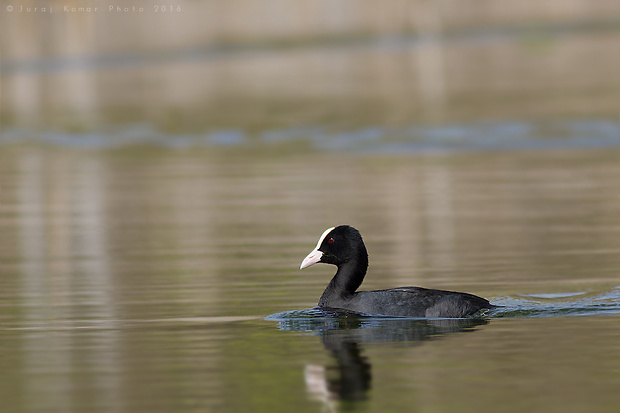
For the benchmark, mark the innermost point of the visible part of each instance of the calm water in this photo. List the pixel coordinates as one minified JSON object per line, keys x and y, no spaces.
{"x":140,"y":279}
{"x":158,"y":193}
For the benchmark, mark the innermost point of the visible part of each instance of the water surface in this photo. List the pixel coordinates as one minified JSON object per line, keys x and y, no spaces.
{"x":140,"y":279}
{"x":158,"y":193}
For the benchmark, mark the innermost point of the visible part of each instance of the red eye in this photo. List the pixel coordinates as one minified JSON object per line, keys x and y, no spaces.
{"x":331,"y":240}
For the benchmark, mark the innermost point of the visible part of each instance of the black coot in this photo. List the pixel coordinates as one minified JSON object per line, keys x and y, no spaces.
{"x":343,"y":246}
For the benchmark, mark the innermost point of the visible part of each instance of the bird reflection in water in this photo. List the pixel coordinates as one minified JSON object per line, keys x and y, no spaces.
{"x":344,"y":334}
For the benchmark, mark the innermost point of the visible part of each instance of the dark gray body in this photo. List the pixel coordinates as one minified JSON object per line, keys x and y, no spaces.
{"x":409,"y":302}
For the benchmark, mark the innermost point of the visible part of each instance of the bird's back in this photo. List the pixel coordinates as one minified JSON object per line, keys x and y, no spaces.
{"x":415,"y":302}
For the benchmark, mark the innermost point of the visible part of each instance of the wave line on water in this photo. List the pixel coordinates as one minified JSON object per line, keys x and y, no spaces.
{"x":66,"y":325}
{"x":526,"y":306}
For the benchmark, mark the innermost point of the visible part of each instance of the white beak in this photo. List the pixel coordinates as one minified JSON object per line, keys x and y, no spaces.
{"x":311,"y":259}
{"x":315,"y":255}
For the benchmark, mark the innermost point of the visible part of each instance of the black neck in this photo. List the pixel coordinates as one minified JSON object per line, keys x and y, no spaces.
{"x":348,"y":278}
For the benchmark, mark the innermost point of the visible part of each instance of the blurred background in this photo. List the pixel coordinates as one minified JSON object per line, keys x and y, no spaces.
{"x":232,"y":72}
{"x":166,"y":165}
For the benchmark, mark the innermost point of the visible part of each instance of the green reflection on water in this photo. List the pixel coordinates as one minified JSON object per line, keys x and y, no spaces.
{"x":126,"y":275}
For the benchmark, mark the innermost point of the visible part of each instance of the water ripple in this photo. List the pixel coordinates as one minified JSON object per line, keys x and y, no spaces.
{"x":525,"y":306}
{"x":475,"y":136}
